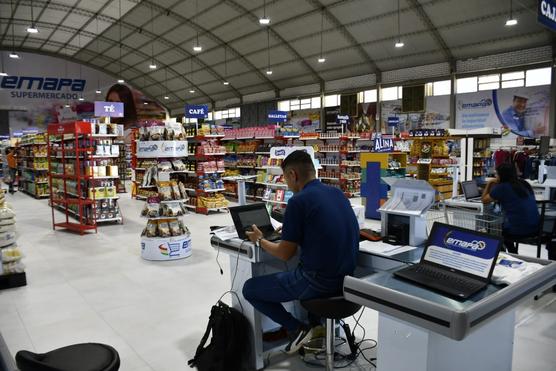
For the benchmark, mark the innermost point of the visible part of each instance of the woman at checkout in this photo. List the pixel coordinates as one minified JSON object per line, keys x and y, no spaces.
{"x":521,"y":215}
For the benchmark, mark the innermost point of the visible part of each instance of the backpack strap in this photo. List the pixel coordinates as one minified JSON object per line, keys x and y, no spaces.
{"x":204,"y":339}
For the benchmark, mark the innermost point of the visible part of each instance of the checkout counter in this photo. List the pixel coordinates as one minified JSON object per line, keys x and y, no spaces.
{"x":417,"y":326}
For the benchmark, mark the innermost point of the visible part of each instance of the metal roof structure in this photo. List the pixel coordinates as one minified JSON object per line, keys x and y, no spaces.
{"x":358,"y":38}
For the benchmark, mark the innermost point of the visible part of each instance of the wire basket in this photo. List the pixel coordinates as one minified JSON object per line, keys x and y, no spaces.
{"x":489,"y":221}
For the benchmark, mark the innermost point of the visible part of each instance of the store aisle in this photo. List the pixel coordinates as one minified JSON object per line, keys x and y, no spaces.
{"x":97,"y":288}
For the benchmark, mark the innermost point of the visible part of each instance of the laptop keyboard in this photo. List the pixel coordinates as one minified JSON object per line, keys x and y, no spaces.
{"x":447,"y":278}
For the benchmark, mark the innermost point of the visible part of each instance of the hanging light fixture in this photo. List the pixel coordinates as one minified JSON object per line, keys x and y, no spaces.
{"x":264,"y":20}
{"x":81,"y":99}
{"x":32,"y":28}
{"x":166,"y":83}
{"x":225,"y":82}
{"x":2,"y":70}
{"x":120,"y":80}
{"x":268,"y":70}
{"x":152,"y":66}
{"x":98,"y":91}
{"x":197,"y":47}
{"x":191,"y":90}
{"x":399,"y":43}
{"x":321,"y":58}
{"x":511,"y":21}
{"x":13,"y":54}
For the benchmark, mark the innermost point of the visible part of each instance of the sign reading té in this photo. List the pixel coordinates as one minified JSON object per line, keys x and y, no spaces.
{"x":109,"y":109}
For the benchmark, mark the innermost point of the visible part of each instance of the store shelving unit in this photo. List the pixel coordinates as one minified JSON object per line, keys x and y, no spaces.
{"x":32,"y":153}
{"x":82,"y":181}
{"x":12,"y":271}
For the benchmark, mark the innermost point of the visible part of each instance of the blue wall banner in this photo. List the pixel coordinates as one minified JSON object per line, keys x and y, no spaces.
{"x":546,"y":13}
{"x":515,"y":112}
{"x":196,"y":111}
{"x":277,"y":116}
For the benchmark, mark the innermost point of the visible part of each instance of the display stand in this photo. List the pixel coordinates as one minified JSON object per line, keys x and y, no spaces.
{"x":403,"y":215}
{"x":32,"y":158}
{"x":82,"y":179}
{"x":12,"y":271}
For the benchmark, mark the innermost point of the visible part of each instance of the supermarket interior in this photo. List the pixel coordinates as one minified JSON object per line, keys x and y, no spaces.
{"x":277,"y":184}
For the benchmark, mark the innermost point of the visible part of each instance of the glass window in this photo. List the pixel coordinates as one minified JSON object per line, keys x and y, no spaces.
{"x":284,"y":105}
{"x":390,"y":93}
{"x":513,"y":75}
{"x":513,"y":83}
{"x":218,"y":115}
{"x":238,"y":112}
{"x":315,"y":102}
{"x":369,"y":96}
{"x":428,"y":89}
{"x":443,"y":87}
{"x":331,"y":100}
{"x":294,"y":104}
{"x":538,"y":76}
{"x":489,"y":86}
{"x":400,"y":92}
{"x":305,"y":103}
{"x":210,"y":116}
{"x":466,"y":85}
{"x":489,"y":78}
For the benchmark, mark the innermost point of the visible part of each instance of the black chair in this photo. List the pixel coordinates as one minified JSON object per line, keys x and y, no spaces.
{"x":333,"y":308}
{"x":77,"y":357}
{"x":546,"y":232}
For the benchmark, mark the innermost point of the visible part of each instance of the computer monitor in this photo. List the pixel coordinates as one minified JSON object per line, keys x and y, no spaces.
{"x":544,"y":146}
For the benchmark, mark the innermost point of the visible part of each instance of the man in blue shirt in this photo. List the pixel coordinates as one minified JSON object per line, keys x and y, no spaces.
{"x":320,"y":220}
{"x":514,"y":116}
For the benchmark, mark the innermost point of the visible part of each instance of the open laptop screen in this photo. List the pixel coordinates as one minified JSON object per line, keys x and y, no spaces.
{"x":470,"y":189}
{"x":462,"y":250}
{"x":247,"y":215}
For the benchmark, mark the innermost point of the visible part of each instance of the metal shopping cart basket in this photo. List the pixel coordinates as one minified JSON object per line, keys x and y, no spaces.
{"x":488,"y":221}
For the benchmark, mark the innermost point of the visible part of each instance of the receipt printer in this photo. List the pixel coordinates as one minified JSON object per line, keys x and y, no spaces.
{"x":397,"y":229}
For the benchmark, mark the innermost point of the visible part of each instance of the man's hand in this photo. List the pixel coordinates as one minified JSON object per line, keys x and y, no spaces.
{"x":255,"y":234}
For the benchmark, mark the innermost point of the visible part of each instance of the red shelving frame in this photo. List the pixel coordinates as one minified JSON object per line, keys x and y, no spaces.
{"x":76,"y":128}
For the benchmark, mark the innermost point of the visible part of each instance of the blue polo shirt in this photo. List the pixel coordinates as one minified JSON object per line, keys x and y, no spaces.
{"x":321,"y":221}
{"x":521,"y":215}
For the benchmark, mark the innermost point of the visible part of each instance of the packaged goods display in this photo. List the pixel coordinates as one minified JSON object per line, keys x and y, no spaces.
{"x":12,"y":269}
{"x":32,"y":163}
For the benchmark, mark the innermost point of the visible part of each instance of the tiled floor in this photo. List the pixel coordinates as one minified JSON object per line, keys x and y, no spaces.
{"x":97,"y":288}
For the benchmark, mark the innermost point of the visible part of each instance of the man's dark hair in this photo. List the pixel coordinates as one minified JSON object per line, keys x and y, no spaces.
{"x":300,"y":161}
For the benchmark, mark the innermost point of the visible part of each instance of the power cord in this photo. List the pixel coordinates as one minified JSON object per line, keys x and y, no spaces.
{"x":232,"y":291}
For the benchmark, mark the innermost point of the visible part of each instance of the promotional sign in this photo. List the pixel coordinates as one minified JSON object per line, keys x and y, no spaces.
{"x":277,"y":116}
{"x":462,"y":250}
{"x":307,"y":120}
{"x":343,"y":119}
{"x":546,"y":13}
{"x":436,"y":116}
{"x":170,"y":248}
{"x":166,"y":148}
{"x":196,"y":111}
{"x":109,"y":109}
{"x":393,"y":121}
{"x":382,"y":144}
{"x":283,"y":152}
{"x":515,"y":112}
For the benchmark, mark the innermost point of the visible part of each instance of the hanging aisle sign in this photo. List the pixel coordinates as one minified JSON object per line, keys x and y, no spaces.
{"x":277,"y":116}
{"x":343,"y":119}
{"x":196,"y":111}
{"x":546,"y":13}
{"x":393,"y":121}
{"x":383,"y":144}
{"x":109,"y":109}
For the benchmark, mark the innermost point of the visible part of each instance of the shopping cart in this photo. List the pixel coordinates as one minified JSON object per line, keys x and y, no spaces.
{"x":488,"y":221}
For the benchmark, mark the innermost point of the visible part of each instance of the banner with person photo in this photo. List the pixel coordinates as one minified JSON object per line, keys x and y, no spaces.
{"x":515,"y":112}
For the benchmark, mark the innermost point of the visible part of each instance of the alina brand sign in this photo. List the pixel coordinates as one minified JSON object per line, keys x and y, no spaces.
{"x":196,"y":111}
{"x":546,"y":13}
{"x":109,"y":109}
{"x":383,"y":144}
{"x":167,"y":148}
{"x":37,"y":87}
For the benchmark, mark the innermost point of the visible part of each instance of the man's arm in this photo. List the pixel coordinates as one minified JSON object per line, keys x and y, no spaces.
{"x":283,"y":250}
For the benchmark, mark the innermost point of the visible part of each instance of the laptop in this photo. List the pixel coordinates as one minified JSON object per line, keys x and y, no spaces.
{"x":471,"y":191}
{"x":247,"y":215}
{"x":456,"y":261}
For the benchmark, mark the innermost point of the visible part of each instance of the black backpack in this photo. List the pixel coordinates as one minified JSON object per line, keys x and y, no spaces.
{"x":229,"y":346}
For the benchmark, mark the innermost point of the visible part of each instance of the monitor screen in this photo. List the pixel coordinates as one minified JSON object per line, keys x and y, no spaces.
{"x":462,"y":249}
{"x":470,"y":189}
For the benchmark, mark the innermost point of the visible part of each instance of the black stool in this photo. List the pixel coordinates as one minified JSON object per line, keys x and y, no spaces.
{"x":77,"y":357}
{"x":334,"y":308}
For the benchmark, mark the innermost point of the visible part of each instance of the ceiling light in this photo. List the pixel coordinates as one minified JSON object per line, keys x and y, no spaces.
{"x":197,"y":48}
{"x":14,"y":55}
{"x":511,"y":22}
{"x":98,"y":91}
{"x":264,"y":21}
{"x":3,"y":74}
{"x":66,"y":105}
{"x":225,"y":82}
{"x":399,"y":44}
{"x":145,"y":103}
{"x":152,"y":66}
{"x":166,"y":97}
{"x":81,"y":99}
{"x":269,"y":72}
{"x":321,"y":60}
{"x":32,"y":29}
{"x":191,"y":91}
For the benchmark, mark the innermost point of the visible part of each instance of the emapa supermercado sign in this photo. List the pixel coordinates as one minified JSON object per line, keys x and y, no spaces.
{"x":37,"y":87}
